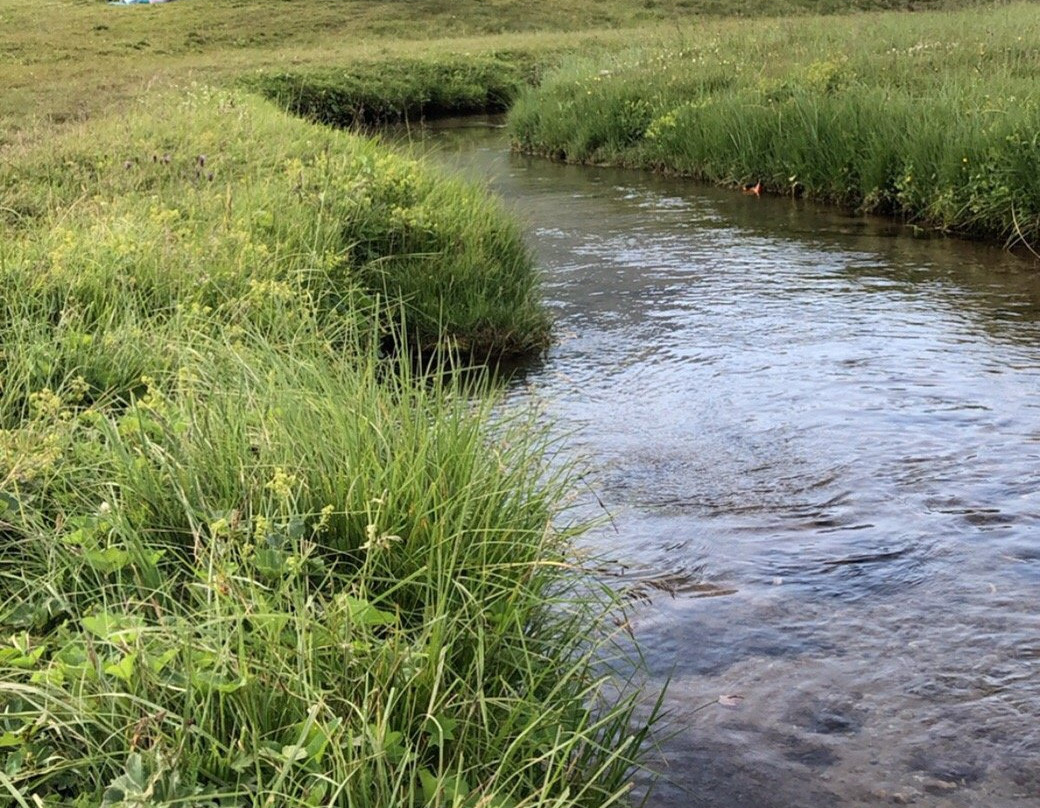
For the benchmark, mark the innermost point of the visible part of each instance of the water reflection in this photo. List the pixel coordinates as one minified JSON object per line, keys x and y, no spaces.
{"x":819,"y":437}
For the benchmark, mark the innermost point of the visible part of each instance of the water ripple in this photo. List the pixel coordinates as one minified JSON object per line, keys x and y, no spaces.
{"x":834,"y":427}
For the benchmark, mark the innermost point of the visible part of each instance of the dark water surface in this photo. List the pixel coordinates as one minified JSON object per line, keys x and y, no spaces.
{"x":819,"y":438}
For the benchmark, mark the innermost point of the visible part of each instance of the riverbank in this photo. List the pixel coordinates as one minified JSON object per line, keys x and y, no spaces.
{"x":214,"y":199}
{"x":928,"y":117}
{"x":249,"y":557}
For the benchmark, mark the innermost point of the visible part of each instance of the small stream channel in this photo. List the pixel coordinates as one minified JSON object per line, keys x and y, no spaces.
{"x":819,"y":438}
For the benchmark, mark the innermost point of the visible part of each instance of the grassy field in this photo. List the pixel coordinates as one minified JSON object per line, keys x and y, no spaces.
{"x":65,"y":60}
{"x":931,"y":117}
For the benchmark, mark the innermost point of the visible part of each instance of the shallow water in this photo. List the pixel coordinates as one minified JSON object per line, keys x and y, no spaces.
{"x":818,"y":437}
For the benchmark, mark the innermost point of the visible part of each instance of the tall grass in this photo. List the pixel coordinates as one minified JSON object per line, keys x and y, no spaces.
{"x":295,"y":577}
{"x":932,"y":117}
{"x":70,"y":61}
{"x":248,"y":557}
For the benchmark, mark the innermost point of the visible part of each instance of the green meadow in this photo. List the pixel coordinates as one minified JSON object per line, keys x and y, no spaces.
{"x":66,"y":60}
{"x":263,"y":546}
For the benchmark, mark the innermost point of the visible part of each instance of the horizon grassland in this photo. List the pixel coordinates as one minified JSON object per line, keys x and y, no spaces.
{"x":261,"y":545}
{"x":65,"y":60}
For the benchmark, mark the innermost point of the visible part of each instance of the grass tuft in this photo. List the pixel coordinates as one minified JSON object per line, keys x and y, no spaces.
{"x":296,"y":577}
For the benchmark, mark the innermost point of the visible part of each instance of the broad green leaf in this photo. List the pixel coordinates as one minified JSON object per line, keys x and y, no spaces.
{"x":78,"y":537}
{"x":455,"y":787}
{"x":153,"y":558}
{"x":318,"y":736}
{"x":124,"y":668}
{"x":293,"y":753}
{"x":429,"y":785}
{"x":295,"y":528}
{"x":243,"y":762}
{"x":270,"y":562}
{"x":135,"y":770}
{"x":17,"y":658}
{"x":218,"y":683}
{"x":315,"y":795}
{"x":111,"y":559}
{"x":387,"y":742}
{"x":450,"y":787}
{"x":8,"y":503}
{"x":113,"y":626}
{"x":440,"y":729}
{"x":363,"y":612}
{"x":158,"y":663}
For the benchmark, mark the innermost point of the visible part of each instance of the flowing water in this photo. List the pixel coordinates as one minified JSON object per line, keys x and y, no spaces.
{"x":819,"y":440}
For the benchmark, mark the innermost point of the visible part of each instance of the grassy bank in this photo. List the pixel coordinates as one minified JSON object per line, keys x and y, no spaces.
{"x":248,"y":559}
{"x":398,"y":90}
{"x":932,"y":117}
{"x":218,"y":201}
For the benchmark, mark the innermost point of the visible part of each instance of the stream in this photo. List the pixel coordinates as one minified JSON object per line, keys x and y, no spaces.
{"x":818,"y":437}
